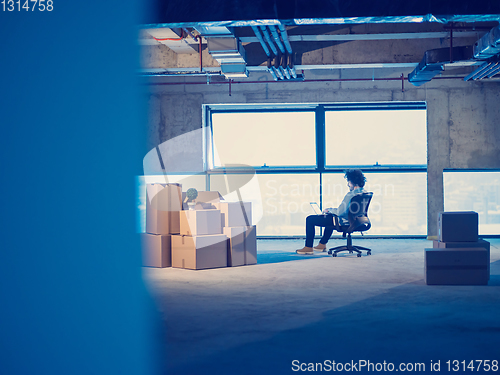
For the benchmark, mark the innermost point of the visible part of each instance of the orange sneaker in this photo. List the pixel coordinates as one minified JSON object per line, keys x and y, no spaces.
{"x":305,"y":251}
{"x":320,"y":247}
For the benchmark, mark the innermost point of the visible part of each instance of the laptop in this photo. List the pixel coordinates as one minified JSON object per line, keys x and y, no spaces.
{"x":316,"y":208}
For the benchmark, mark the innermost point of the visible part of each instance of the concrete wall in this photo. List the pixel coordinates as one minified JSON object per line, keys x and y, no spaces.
{"x":462,"y":117}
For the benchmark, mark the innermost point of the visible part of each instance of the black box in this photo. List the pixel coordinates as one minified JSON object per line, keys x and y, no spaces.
{"x":480,"y":243}
{"x":458,"y":226}
{"x":456,"y":266}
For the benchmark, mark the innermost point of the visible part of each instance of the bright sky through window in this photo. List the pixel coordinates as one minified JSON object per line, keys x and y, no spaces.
{"x":270,"y":138}
{"x":367,"y":137}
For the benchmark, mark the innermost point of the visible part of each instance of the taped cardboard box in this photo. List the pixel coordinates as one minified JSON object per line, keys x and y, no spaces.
{"x":156,"y":250}
{"x":205,"y":200}
{"x":480,"y":243}
{"x":235,"y":214}
{"x":241,"y":245}
{"x":458,"y":226}
{"x":251,"y":245}
{"x":200,"y":222}
{"x":163,"y":203}
{"x":199,"y":252}
{"x":235,"y":245}
{"x":456,"y":266}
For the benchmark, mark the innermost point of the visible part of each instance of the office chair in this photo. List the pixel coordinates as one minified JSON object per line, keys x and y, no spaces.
{"x":358,"y":222}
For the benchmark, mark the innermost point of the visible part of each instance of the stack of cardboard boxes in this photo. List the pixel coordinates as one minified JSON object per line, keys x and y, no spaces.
{"x":215,"y":234}
{"x":458,"y":256}
{"x":236,"y":221}
{"x":163,"y":206}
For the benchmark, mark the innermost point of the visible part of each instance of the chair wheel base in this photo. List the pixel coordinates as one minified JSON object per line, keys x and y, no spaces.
{"x":358,"y":250}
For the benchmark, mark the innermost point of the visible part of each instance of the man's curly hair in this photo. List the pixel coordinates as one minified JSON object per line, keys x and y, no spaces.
{"x":355,"y":176}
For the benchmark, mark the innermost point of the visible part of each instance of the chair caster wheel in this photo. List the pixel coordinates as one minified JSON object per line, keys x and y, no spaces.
{"x":329,"y":252}
{"x":334,"y":255}
{"x":359,"y":255}
{"x":369,"y":253}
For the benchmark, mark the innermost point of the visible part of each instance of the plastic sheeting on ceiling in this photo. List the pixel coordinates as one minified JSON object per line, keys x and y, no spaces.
{"x":300,"y":12}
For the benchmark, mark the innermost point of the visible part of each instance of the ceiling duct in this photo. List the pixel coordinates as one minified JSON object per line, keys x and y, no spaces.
{"x":433,"y":63}
{"x":213,"y":31}
{"x":488,"y":46}
{"x":230,"y":54}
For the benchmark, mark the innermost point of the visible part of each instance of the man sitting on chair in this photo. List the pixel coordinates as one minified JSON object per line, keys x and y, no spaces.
{"x":355,"y":181}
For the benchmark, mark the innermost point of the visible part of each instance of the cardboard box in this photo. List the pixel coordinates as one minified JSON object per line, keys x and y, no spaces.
{"x":204,"y":201}
{"x":200,"y":222}
{"x":251,"y":245}
{"x":156,"y":250}
{"x":456,"y":266}
{"x":480,"y":243}
{"x":208,"y":197}
{"x":199,"y":252}
{"x":235,"y":245}
{"x":241,"y":245}
{"x":235,"y":214}
{"x":458,"y":226}
{"x":163,"y":203}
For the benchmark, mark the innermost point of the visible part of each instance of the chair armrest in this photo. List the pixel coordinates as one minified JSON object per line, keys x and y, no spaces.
{"x":336,"y":222}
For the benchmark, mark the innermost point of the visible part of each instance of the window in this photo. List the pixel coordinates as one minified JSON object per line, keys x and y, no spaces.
{"x":299,"y":152}
{"x":398,"y":206}
{"x":370,"y":137}
{"x":475,"y":191}
{"x":263,"y":139}
{"x":281,"y":201}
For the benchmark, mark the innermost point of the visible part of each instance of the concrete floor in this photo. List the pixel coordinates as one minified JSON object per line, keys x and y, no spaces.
{"x":258,"y":319}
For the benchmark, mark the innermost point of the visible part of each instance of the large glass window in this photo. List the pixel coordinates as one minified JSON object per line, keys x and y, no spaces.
{"x":370,"y":137}
{"x":263,"y":139}
{"x":398,"y":206}
{"x":283,"y":201}
{"x":475,"y":191}
{"x":299,"y":151}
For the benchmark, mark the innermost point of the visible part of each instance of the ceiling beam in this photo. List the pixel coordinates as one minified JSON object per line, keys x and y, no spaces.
{"x":386,"y":36}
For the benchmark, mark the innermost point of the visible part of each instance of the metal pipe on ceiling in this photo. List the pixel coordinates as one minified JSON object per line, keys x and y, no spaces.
{"x":275,"y":77}
{"x":269,"y":40}
{"x":189,"y":33}
{"x":278,"y":73}
{"x":277,"y":38}
{"x":491,"y":66}
{"x":476,"y":72}
{"x":265,"y":48}
{"x":284,"y":35}
{"x":285,"y":72}
{"x":261,"y":40}
{"x":494,"y":71}
{"x":307,"y":81}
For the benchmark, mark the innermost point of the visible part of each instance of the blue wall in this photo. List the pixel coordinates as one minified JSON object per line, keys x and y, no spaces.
{"x":71,"y":291}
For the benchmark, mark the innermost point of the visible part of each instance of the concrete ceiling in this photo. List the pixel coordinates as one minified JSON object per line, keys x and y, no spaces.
{"x":319,"y":45}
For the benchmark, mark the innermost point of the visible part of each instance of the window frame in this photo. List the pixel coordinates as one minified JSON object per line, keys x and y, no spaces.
{"x":319,"y":110}
{"x":320,"y":137}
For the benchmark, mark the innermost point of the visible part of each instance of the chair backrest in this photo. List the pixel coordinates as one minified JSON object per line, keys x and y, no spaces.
{"x":358,"y":213}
